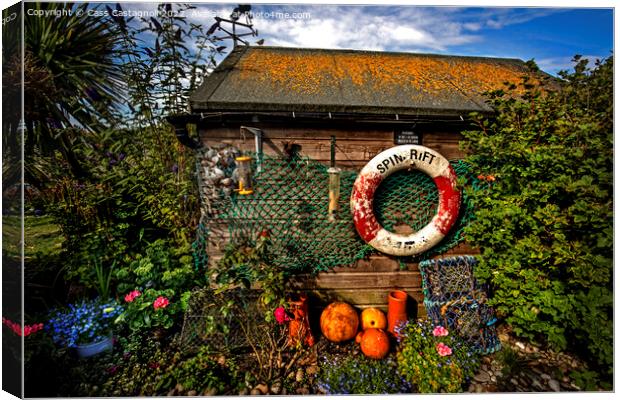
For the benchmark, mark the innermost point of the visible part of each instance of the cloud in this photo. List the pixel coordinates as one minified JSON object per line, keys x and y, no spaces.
{"x":498,"y":18}
{"x":556,"y":64}
{"x":365,"y":28}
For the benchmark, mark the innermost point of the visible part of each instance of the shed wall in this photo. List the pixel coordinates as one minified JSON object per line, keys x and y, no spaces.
{"x":367,"y":282}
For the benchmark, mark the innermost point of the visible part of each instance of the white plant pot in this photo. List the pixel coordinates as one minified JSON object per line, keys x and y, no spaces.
{"x":90,"y":349}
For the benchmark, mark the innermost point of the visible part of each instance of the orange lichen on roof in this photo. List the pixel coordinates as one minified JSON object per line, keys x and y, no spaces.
{"x":308,"y":72}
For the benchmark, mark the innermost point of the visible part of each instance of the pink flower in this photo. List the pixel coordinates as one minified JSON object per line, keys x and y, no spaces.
{"x":17,"y":328}
{"x":160,"y":302}
{"x":280,"y":314}
{"x":443,"y":350}
{"x":440,"y":331}
{"x":132,"y":295}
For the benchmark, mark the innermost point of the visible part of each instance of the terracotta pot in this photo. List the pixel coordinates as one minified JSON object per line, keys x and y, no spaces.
{"x":299,"y":327}
{"x":397,"y":309}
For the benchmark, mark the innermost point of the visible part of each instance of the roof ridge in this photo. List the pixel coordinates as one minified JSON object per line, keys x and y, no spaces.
{"x":402,"y":53}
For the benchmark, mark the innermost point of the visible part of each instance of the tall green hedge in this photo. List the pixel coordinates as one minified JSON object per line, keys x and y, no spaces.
{"x":544,"y":217}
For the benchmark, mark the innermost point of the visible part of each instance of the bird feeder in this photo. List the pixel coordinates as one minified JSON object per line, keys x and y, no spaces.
{"x":244,"y":170}
{"x":334,"y":192}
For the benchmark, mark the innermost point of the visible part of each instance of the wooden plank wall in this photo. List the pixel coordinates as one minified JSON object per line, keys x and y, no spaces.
{"x":355,"y":147}
{"x":368,"y":282}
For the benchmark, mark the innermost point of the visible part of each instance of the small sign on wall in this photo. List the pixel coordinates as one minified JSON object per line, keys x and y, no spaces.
{"x":407,"y":137}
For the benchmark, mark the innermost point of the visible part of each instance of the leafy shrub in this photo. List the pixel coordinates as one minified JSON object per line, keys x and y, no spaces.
{"x":249,"y":265}
{"x":141,"y":189}
{"x":358,"y":374}
{"x":434,"y":359}
{"x":161,"y":266}
{"x":544,"y":226}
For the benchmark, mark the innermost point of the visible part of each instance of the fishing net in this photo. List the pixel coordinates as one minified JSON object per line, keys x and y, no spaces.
{"x":453,"y":298}
{"x":290,"y":200}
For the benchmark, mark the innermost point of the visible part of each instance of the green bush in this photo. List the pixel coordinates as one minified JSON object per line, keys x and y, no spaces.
{"x":358,"y":374}
{"x":434,"y":359}
{"x":544,"y":219}
{"x":141,"y":191}
{"x":161,"y":266}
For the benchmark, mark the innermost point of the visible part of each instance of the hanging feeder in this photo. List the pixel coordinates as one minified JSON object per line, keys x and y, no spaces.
{"x":334,"y":183}
{"x":244,"y":170}
{"x":334,"y":192}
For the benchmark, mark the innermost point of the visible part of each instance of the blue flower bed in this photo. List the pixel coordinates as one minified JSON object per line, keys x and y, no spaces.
{"x":84,"y":322}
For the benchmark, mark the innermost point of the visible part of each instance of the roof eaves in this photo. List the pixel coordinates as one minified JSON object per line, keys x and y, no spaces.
{"x":212,"y":82}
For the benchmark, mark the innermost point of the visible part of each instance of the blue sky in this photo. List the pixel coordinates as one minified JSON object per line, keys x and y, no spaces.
{"x":552,"y":36}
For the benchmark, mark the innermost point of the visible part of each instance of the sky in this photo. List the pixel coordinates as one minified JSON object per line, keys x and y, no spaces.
{"x":551,"y":36}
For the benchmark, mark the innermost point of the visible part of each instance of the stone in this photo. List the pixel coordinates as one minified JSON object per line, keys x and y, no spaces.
{"x":554,"y":385}
{"x":514,"y":381}
{"x":171,"y":392}
{"x":284,"y":391}
{"x":479,"y":389}
{"x":276,"y":387}
{"x":545,"y":376}
{"x":244,"y":392}
{"x":209,"y":392}
{"x":537,"y":385}
{"x":255,"y":392}
{"x":520,"y":345}
{"x":179,"y":388}
{"x":565,"y":379}
{"x":482,"y":377}
{"x":262,"y":387}
{"x":299,"y":376}
{"x":192,"y":393}
{"x":221,"y":361}
{"x":303,"y":390}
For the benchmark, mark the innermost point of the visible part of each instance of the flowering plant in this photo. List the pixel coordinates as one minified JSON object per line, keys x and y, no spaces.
{"x":434,"y":358}
{"x":85,"y":322}
{"x":17,"y":328}
{"x":357,"y":374}
{"x":149,"y":309}
{"x":281,"y":315}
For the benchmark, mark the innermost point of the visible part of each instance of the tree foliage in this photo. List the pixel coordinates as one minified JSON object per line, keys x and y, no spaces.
{"x":545,"y":223}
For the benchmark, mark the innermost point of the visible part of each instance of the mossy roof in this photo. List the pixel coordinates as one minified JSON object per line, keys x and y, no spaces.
{"x":318,"y":80}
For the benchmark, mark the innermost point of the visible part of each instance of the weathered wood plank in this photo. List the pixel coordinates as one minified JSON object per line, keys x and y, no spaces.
{"x":355,"y":280}
{"x":362,"y":296}
{"x":365,"y":298}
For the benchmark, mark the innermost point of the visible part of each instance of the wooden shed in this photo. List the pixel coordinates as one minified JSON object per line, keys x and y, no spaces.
{"x":329,"y":108}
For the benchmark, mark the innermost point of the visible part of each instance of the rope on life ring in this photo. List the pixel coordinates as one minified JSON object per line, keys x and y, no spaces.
{"x":386,"y":163}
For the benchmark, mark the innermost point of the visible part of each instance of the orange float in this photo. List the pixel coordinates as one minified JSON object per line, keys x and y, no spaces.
{"x":373,"y":318}
{"x":375,"y":343}
{"x":339,"y":322}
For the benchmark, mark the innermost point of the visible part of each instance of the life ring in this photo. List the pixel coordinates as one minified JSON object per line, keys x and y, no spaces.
{"x":384,"y":164}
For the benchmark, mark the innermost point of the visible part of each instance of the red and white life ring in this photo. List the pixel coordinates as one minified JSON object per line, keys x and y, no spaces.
{"x":382,"y":165}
